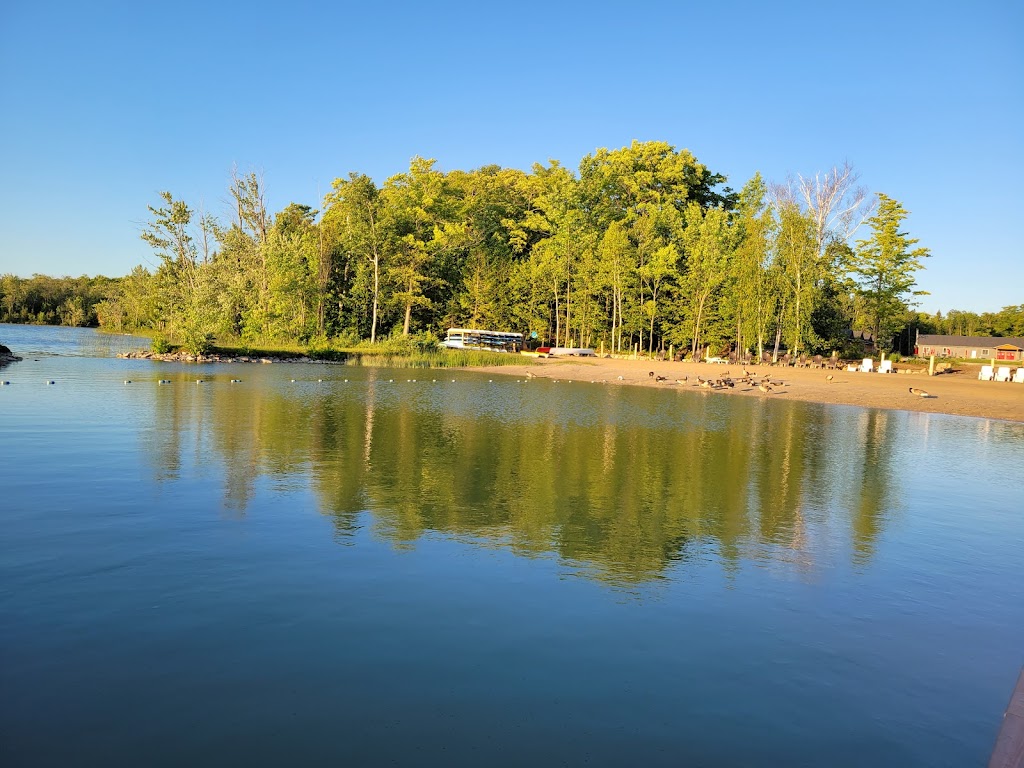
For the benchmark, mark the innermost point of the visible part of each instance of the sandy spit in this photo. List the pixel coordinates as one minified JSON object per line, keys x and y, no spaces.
{"x":958,"y":394}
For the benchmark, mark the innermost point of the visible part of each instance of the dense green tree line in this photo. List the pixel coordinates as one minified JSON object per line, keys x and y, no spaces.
{"x":642,"y":245}
{"x":53,"y":300}
{"x":1009,"y":321}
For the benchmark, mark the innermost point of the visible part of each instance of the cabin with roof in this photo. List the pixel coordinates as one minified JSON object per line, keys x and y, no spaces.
{"x":971,"y":347}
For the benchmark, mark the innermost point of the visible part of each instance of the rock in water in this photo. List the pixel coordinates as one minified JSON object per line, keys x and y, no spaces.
{"x":6,"y":356}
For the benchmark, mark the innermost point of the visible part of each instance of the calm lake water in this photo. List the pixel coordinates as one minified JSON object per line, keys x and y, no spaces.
{"x":490,"y":573}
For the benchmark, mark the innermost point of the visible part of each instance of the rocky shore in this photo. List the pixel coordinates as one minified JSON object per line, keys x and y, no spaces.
{"x":184,"y":357}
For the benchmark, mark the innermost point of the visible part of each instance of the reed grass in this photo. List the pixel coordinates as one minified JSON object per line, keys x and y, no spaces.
{"x":443,"y":358}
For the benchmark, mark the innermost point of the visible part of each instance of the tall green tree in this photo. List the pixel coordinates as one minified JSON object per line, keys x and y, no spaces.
{"x":800,"y":272}
{"x":353,"y":213}
{"x":884,"y":266}
{"x":186,"y":303}
{"x":417,"y":208}
{"x":615,"y":258}
{"x":754,"y":282}
{"x":707,"y":242}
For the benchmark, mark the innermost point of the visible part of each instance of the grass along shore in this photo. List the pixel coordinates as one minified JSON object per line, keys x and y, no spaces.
{"x":389,"y":353}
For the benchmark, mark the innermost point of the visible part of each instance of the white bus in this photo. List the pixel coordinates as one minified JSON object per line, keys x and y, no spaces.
{"x":494,"y":341}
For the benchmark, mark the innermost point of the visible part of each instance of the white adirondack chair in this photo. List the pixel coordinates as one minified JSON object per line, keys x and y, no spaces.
{"x":885,"y":366}
{"x":1018,"y":377}
{"x":867,"y":365}
{"x":986,"y":373}
{"x":1003,"y":373}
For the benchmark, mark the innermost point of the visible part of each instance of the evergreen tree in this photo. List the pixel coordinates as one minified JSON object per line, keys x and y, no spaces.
{"x":884,"y":266}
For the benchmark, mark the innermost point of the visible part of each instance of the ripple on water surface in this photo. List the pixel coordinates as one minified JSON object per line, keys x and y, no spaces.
{"x":385,"y":571}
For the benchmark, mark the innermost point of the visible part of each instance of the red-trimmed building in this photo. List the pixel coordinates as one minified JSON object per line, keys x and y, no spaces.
{"x":971,"y":347}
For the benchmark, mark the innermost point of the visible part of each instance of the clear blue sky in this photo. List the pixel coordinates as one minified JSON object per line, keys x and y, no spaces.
{"x":102,"y":105}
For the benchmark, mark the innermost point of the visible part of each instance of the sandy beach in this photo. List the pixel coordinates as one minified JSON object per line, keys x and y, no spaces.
{"x":959,"y":394}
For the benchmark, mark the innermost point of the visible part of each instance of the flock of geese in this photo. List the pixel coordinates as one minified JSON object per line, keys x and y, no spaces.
{"x":764,"y":383}
{"x":726,"y":381}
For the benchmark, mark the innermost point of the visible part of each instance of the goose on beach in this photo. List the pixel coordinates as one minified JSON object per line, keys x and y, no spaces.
{"x":919,"y":392}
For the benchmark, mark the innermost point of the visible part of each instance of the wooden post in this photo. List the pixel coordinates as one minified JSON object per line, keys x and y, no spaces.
{"x":671,"y":352}
{"x":931,"y":365}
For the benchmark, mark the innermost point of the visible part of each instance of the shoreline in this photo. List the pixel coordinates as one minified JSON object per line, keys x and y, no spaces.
{"x":956,"y":394}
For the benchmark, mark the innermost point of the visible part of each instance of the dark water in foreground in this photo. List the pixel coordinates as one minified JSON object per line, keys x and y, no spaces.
{"x":477,"y":573}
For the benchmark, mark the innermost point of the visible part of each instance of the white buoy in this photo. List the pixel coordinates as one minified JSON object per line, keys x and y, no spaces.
{"x":414,"y":381}
{"x":490,"y":381}
{"x":293,"y":381}
{"x":49,"y":382}
{"x":453,"y":381}
{"x":391,"y":381}
{"x":5,"y":384}
{"x":236,"y":381}
{"x":346,"y":381}
{"x":127,"y":381}
{"x":199,"y":381}
{"x":434,"y":380}
{"x":320,"y":381}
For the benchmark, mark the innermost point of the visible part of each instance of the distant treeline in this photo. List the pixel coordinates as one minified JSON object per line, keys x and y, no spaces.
{"x":1009,"y":321}
{"x":642,"y":245}
{"x":47,"y":300}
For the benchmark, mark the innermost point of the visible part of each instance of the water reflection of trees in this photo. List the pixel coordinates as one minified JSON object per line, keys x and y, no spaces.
{"x":622,"y":497}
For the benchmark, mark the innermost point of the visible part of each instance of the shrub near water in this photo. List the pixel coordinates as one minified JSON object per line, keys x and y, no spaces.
{"x":160,"y":345}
